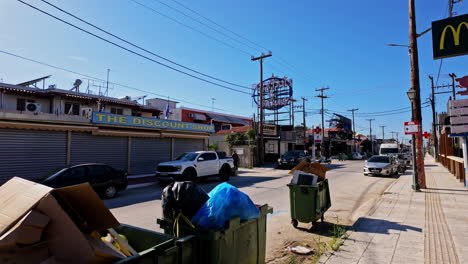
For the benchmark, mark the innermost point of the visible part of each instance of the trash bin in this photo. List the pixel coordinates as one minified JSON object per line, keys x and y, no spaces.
{"x":240,"y":242}
{"x":157,"y":248}
{"x":308,"y":203}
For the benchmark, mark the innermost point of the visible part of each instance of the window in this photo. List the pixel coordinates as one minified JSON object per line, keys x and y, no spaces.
{"x":72,"y":109}
{"x":98,"y":172}
{"x":117,"y":111}
{"x":208,"y":156}
{"x":76,"y":173}
{"x":20,"y":104}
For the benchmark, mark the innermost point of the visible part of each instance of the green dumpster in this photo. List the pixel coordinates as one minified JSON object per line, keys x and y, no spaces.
{"x":156,"y":248}
{"x":309,"y":203}
{"x":240,"y":242}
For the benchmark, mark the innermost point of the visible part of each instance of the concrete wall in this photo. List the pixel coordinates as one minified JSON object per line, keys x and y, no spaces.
{"x":9,"y":102}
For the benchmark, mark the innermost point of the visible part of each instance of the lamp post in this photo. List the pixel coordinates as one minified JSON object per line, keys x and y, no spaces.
{"x":412,"y":96}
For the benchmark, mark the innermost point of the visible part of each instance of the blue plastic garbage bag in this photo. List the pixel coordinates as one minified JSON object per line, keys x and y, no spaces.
{"x":226,"y":202}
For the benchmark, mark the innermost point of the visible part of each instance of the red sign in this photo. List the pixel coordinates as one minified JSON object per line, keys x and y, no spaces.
{"x":317,"y":130}
{"x":463,"y":84}
{"x":426,"y":135}
{"x":411,"y":128}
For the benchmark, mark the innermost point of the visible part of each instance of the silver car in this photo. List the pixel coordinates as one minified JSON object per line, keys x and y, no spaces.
{"x":381,"y":165}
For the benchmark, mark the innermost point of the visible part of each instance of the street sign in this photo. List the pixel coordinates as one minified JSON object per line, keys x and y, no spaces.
{"x":463,"y":81}
{"x":411,"y":128}
{"x":458,"y":111}
{"x":317,"y":138}
{"x":449,"y":37}
{"x":459,"y":120}
{"x":317,"y":130}
{"x":458,"y":129}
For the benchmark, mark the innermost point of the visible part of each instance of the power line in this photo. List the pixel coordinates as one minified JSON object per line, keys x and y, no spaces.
{"x":208,"y":26}
{"x":190,"y":27}
{"x":221,"y":26}
{"x":114,"y":83}
{"x":143,"y":49}
{"x":131,"y":51}
{"x":278,"y":60}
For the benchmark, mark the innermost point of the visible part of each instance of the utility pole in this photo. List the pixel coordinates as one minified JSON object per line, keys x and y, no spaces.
{"x":354,"y":129}
{"x":304,"y":120}
{"x":260,"y":93}
{"x":370,"y":135}
{"x":321,"y":96}
{"x":212,"y":103}
{"x":434,"y":132}
{"x":107,"y":82}
{"x":383,"y":133}
{"x":415,"y":85}
{"x":453,"y":76}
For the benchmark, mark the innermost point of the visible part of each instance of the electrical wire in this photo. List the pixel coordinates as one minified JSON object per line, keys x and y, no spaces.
{"x":143,"y":49}
{"x":113,"y":83}
{"x":190,"y":27}
{"x":131,"y":51}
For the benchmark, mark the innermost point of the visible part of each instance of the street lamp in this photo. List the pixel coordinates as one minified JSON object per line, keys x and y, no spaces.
{"x":412,"y":97}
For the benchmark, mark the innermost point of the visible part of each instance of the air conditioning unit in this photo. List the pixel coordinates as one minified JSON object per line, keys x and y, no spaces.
{"x":87,"y":112}
{"x":33,"y":107}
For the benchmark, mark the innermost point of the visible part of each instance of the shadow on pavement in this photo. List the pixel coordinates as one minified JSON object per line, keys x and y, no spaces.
{"x":324,"y":229}
{"x":380,"y":226}
{"x":153,"y":192}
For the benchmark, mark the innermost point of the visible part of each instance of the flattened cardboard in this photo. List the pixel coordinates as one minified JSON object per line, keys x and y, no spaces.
{"x":27,"y":231}
{"x":86,"y":208}
{"x":66,"y":242}
{"x":25,"y":255}
{"x":17,"y":197}
{"x":313,"y":168}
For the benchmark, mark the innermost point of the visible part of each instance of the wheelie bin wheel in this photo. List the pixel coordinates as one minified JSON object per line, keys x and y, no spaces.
{"x":294,"y":223}
{"x":314,"y":226}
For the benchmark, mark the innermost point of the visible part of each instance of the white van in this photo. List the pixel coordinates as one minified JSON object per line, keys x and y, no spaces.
{"x":389,"y":149}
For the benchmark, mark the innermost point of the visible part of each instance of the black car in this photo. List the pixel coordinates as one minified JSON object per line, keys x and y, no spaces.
{"x":291,"y":158}
{"x":104,"y":179}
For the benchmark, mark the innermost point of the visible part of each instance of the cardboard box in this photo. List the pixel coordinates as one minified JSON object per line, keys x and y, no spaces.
{"x":69,"y":209}
{"x":312,"y":168}
{"x":27,"y":231}
{"x":25,"y":255}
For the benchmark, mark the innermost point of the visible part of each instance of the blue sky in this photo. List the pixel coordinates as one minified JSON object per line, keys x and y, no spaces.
{"x":340,"y":44}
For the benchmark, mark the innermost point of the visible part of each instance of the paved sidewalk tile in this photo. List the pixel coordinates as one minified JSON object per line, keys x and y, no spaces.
{"x":412,"y":227}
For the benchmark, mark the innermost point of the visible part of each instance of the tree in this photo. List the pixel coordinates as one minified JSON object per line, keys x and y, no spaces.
{"x":213,"y":147}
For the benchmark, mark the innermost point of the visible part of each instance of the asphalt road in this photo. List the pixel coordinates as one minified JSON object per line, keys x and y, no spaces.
{"x":352,"y":195}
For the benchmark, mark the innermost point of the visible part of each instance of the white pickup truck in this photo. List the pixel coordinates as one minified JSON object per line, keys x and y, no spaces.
{"x":193,"y":165}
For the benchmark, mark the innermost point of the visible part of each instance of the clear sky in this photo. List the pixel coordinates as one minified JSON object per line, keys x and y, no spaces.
{"x":340,"y":44}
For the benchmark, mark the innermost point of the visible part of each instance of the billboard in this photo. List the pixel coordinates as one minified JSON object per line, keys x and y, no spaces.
{"x":450,"y":37}
{"x":277,"y":93}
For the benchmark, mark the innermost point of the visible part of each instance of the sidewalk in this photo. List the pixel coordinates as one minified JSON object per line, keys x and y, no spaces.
{"x":430,"y":226}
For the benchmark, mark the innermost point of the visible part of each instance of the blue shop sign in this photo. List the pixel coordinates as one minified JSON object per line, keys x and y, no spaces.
{"x":136,"y":121}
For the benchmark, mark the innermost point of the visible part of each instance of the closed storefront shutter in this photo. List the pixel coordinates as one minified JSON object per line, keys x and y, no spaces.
{"x":110,"y":150}
{"x":146,"y":153}
{"x":31,"y":154}
{"x":182,"y":145}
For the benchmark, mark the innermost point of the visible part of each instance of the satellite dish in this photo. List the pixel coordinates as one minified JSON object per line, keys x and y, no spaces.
{"x":77,"y":83}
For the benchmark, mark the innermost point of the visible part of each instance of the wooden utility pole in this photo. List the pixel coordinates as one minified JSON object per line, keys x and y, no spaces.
{"x":370,"y":135}
{"x":321,"y":96}
{"x":415,"y":84}
{"x":435,"y":140}
{"x":354,"y":129}
{"x":262,"y":116}
{"x":453,"y":76}
{"x":383,"y":133}
{"x":304,"y":120}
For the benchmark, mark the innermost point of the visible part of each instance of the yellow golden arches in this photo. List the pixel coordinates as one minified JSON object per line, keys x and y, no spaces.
{"x":456,"y":34}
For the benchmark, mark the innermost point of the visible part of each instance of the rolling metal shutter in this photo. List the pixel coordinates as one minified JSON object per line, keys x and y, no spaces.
{"x":182,"y":145}
{"x":110,"y":150}
{"x":31,"y":154}
{"x":146,"y":153}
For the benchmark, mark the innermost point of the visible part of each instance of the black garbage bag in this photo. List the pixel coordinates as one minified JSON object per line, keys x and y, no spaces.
{"x":186,"y":197}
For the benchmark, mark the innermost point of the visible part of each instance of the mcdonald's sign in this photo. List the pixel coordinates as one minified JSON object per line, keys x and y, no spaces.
{"x":450,"y":37}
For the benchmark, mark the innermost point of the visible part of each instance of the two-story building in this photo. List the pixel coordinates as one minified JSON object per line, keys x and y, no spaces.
{"x":42,"y":130}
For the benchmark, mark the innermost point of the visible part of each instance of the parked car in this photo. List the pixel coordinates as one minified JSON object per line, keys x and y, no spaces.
{"x":357,"y":156}
{"x":364,"y":155}
{"x":104,"y":179}
{"x":401,"y":159}
{"x":381,"y":165}
{"x":291,"y":158}
{"x":193,"y":165}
